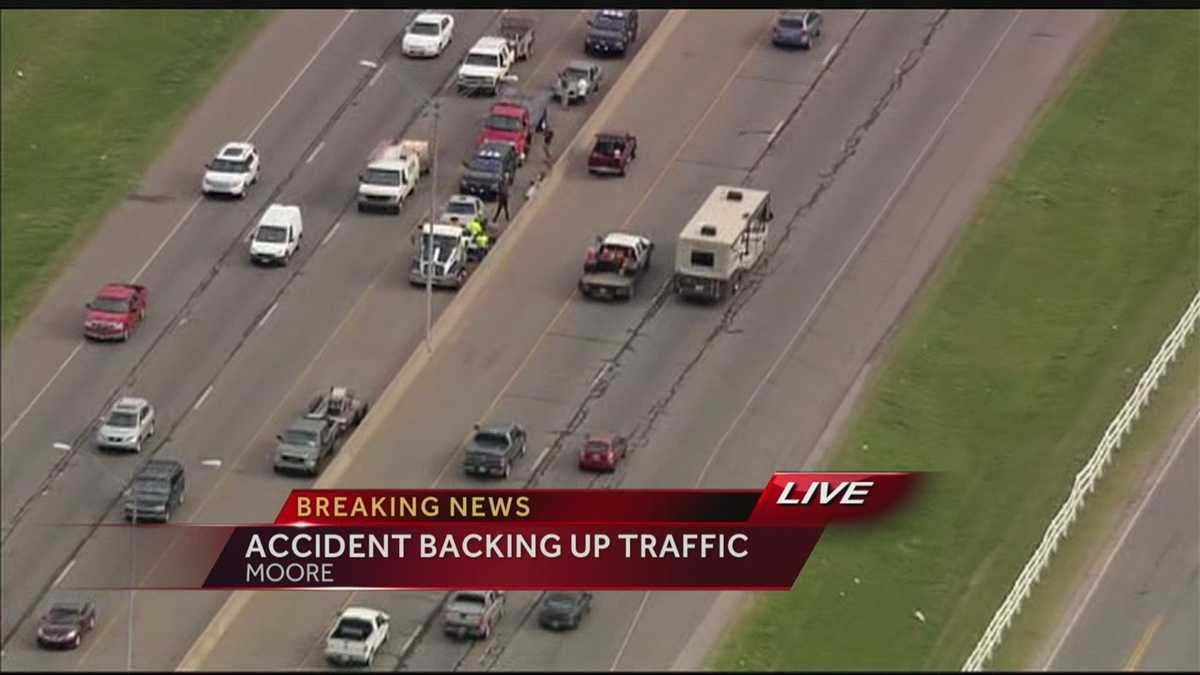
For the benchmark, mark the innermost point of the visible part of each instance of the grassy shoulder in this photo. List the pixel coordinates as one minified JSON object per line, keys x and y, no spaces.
{"x":88,"y":99}
{"x":1008,"y":367}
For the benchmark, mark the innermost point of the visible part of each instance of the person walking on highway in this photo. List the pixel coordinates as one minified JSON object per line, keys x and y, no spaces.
{"x":548,"y":136}
{"x":502,"y":203}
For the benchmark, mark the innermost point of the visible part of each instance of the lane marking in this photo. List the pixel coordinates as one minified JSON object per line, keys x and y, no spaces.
{"x":270,"y":311}
{"x":49,"y":382}
{"x":315,"y":152}
{"x":1158,"y":479}
{"x":375,"y":77}
{"x":829,"y":288}
{"x":887,"y":206}
{"x":214,"y":463}
{"x":775,"y":132}
{"x":1139,"y":652}
{"x":203,"y":397}
{"x":411,"y":639}
{"x":179,"y":224}
{"x":62,"y":446}
{"x":829,"y":57}
{"x":330,"y":234}
{"x":540,"y":457}
{"x":62,"y":575}
{"x":629,"y":633}
{"x":368,"y":64}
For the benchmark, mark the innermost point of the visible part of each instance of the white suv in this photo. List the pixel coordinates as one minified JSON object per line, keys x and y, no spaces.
{"x":428,"y":35}
{"x":128,"y":424}
{"x":232,"y":171}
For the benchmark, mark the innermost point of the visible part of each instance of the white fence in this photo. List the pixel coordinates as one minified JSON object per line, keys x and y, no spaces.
{"x":1085,"y":482}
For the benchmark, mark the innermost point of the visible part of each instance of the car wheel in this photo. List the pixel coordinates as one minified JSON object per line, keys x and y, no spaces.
{"x":370,"y":658}
{"x":138,"y":448}
{"x":91,"y":623}
{"x":125,"y":334}
{"x":78,"y":640}
{"x":153,"y":428}
{"x":507,"y":470}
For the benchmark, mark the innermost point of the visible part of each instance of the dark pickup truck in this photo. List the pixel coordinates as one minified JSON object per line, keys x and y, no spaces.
{"x":614,"y":265}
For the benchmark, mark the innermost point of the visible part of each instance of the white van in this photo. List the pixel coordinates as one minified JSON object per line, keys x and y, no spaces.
{"x":277,"y":236}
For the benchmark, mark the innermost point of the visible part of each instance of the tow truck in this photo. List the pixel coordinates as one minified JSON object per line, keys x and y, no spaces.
{"x":312,"y":438}
{"x":614,"y":265}
{"x":341,"y":405}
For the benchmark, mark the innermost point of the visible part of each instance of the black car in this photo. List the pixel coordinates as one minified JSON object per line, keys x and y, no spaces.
{"x":797,"y":28}
{"x":563,"y":609}
{"x":63,"y":626}
{"x":493,"y":165}
{"x":611,"y":31}
{"x":493,"y":449}
{"x":156,"y":492}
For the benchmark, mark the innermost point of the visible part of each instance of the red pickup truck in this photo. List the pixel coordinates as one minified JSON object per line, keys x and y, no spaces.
{"x":115,"y":312}
{"x":515,"y":120}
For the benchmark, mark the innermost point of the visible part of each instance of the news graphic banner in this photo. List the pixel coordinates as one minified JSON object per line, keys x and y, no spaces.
{"x":532,"y":539}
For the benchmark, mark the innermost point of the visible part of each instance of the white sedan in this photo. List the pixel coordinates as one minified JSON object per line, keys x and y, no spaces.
{"x":428,"y":35}
{"x":356,"y":636}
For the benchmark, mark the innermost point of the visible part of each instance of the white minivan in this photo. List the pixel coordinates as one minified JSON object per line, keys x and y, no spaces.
{"x":277,"y":236}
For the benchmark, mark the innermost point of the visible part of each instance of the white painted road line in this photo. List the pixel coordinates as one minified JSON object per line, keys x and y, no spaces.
{"x":203,"y":398}
{"x":63,"y":574}
{"x":775,"y":132}
{"x":376,"y":76}
{"x":329,"y":236}
{"x":181,"y":221}
{"x":603,"y":371}
{"x":411,"y":639}
{"x":540,"y":458}
{"x":829,"y":57}
{"x":368,"y":64}
{"x":46,"y":386}
{"x":62,"y":446}
{"x":315,"y":153}
{"x":270,"y":311}
{"x":214,"y":463}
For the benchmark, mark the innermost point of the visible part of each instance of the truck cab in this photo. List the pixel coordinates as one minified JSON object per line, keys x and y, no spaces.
{"x":115,"y":312}
{"x":388,"y":179}
{"x":472,"y":613}
{"x":494,"y":166}
{"x":722,"y":242}
{"x":448,"y":249}
{"x":305,"y":445}
{"x":508,"y":123}
{"x":156,"y":492}
{"x":486,"y":66}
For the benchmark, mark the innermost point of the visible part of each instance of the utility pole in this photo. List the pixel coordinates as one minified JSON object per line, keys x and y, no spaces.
{"x":132,"y":577}
{"x":433,"y":151}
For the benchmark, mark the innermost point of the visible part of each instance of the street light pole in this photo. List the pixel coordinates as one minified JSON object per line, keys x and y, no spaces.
{"x":132,"y":580}
{"x":433,"y":150}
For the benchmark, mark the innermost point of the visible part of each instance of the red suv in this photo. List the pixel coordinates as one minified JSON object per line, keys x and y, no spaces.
{"x":115,"y":312}
{"x":602,"y":452}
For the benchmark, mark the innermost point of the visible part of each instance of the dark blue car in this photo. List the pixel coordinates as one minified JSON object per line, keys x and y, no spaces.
{"x":797,"y":29}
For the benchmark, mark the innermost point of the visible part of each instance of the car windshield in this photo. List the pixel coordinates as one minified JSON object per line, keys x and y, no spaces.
{"x":353,"y":629}
{"x":485,"y":60}
{"x":230,"y":165}
{"x":469,"y":602}
{"x":606,"y":22}
{"x":461,"y":208}
{"x":381,"y":177}
{"x":115,"y":305}
{"x":64,"y":615}
{"x":794,"y":22}
{"x":503,"y":123}
{"x":424,"y":29}
{"x":486,"y":165}
{"x":596,"y":446}
{"x":488,"y":440}
{"x":577,"y":74}
{"x":443,"y":244}
{"x":300,"y":437}
{"x":150,"y":486}
{"x":122,"y":419}
{"x":564,"y":600}
{"x":271,"y":234}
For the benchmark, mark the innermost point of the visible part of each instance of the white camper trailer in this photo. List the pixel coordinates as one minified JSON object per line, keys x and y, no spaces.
{"x":722,"y":242}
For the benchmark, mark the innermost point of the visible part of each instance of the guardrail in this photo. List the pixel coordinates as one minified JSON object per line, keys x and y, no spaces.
{"x":1085,"y":482}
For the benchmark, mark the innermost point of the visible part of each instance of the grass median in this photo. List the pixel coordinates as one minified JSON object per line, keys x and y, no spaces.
{"x":1008,"y":368}
{"x":88,"y":99}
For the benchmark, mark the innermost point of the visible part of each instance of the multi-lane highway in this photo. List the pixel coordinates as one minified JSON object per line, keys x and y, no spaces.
{"x":1142,"y":612}
{"x":875,"y":147}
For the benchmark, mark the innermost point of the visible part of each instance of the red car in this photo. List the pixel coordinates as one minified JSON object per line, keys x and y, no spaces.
{"x":602,"y":452}
{"x":612,"y":152}
{"x":115,"y":312}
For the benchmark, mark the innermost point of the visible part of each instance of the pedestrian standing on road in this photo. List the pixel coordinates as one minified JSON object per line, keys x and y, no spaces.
{"x":502,"y":203}
{"x":548,"y":135}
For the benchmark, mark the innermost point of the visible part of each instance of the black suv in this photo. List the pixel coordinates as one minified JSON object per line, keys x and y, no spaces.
{"x":493,"y":165}
{"x":611,"y":31}
{"x":493,"y":449}
{"x":156,"y":492}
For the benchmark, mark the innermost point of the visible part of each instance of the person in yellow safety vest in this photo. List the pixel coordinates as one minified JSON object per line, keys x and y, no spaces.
{"x":477,"y":231}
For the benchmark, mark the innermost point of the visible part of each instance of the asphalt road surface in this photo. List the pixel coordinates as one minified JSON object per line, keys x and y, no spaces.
{"x":875,"y":154}
{"x":1143,"y":610}
{"x":230,"y":351}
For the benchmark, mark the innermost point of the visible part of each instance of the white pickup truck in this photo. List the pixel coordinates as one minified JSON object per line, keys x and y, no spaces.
{"x":487,"y":66}
{"x":356,"y":636}
{"x":392,"y":175}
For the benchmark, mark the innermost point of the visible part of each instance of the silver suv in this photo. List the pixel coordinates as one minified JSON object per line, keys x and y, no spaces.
{"x":128,"y":424}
